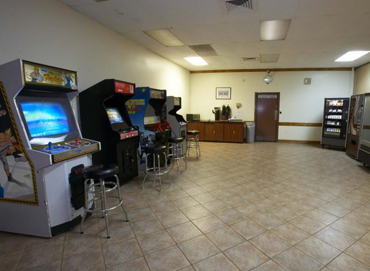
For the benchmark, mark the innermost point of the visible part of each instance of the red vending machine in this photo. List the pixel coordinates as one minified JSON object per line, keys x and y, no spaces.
{"x":334,"y":124}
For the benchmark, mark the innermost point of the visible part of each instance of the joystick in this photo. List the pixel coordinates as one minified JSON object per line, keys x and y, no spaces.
{"x":50,"y":146}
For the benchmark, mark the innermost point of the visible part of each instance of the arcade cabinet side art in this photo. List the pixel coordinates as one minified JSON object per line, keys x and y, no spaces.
{"x":17,"y":179}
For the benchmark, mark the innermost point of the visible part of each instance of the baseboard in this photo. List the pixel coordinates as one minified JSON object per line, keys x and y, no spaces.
{"x":298,"y":141}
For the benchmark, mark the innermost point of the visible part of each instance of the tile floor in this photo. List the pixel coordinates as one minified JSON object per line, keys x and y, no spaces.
{"x":261,"y":206}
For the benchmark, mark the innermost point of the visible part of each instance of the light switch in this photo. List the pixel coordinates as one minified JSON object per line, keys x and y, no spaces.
{"x":307,"y":81}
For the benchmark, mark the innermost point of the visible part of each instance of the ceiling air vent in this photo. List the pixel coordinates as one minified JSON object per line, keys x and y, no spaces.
{"x":233,"y":4}
{"x":101,"y":0}
{"x":250,"y":59}
{"x":203,"y":50}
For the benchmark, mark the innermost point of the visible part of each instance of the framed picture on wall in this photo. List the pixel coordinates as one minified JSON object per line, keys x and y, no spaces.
{"x":223,"y":93}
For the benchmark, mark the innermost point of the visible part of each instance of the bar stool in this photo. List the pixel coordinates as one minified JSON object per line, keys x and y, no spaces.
{"x":175,"y":151}
{"x":96,"y":188}
{"x":156,"y":163}
{"x":193,"y":141}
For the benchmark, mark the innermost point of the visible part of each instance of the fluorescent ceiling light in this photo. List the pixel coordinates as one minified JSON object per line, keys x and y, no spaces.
{"x":351,"y":55}
{"x":196,"y":61}
{"x":274,"y":30}
{"x":165,"y":37}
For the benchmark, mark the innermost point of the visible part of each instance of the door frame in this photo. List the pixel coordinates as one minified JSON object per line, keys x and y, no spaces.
{"x":278,"y":111}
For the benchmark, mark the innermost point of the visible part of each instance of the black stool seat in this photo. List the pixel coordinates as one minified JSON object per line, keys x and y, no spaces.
{"x":155,"y":149}
{"x":100,"y":171}
{"x":175,"y":139}
{"x":193,"y":132}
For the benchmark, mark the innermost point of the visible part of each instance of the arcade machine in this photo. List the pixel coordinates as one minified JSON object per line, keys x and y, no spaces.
{"x":364,"y":149}
{"x":178,"y":124}
{"x":147,"y":111}
{"x":354,"y":130}
{"x":41,"y":150}
{"x":104,"y":118}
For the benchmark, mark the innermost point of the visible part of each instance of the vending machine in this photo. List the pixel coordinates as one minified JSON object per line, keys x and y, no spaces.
{"x":354,"y":130}
{"x":364,"y":149}
{"x":334,"y":125}
{"x":42,"y":150}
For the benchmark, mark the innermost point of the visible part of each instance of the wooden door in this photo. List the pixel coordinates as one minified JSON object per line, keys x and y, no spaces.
{"x":266,"y":114}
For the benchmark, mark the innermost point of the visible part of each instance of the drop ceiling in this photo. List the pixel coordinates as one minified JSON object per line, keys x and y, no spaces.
{"x":320,"y":30}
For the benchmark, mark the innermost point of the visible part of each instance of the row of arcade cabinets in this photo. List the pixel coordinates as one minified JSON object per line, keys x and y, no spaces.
{"x":358,"y":138}
{"x":42,"y":150}
{"x":104,"y":118}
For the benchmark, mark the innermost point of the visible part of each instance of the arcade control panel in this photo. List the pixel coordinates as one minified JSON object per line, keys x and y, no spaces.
{"x":128,"y":134}
{"x":65,"y":150}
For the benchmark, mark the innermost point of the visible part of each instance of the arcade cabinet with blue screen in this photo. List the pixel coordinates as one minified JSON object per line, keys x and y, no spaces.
{"x":104,"y":118}
{"x":41,"y":148}
{"x":147,"y":111}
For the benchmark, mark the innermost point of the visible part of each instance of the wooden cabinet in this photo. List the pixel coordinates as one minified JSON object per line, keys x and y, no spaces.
{"x":197,"y":126}
{"x":214,"y":131}
{"x":219,"y":131}
{"x":234,"y":132}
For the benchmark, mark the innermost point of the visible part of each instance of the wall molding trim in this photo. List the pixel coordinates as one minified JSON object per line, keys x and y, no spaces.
{"x":300,"y":124}
{"x":299,"y":141}
{"x":274,"y":70}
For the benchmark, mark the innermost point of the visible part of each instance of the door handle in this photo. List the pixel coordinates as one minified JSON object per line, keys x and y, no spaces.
{"x":276,"y":114}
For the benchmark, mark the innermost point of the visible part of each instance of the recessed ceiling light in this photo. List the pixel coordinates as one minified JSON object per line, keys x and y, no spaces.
{"x":196,"y":61}
{"x":165,"y":37}
{"x":351,"y":55}
{"x":274,"y":30}
{"x":269,"y":58}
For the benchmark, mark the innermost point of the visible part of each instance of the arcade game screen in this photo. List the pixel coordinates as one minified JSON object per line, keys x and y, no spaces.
{"x":113,"y":115}
{"x":45,"y":119}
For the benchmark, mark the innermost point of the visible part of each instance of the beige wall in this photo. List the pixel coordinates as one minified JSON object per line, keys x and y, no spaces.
{"x":48,"y":32}
{"x":298,"y":102}
{"x":362,"y":79}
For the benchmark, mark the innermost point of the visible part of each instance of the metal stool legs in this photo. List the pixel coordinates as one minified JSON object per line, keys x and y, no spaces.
{"x":95,"y":191}
{"x":193,"y":142}
{"x":175,"y":152}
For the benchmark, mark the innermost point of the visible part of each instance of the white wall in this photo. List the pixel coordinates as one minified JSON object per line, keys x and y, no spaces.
{"x":298,"y":102}
{"x":362,"y":80}
{"x":48,"y":32}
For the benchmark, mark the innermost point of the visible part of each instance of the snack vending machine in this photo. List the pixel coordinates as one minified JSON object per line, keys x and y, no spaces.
{"x":364,"y":149}
{"x":334,"y":125}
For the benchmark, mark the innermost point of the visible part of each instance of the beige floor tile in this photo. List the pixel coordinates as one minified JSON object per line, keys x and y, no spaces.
{"x":230,"y":216}
{"x":216,"y":206}
{"x":318,"y":250}
{"x":307,"y":224}
{"x":55,"y":266}
{"x":267,"y":220}
{"x":209,"y":223}
{"x":300,"y":207}
{"x":141,"y":213}
{"x":9,"y":261}
{"x":249,"y":209}
{"x":322,"y":216}
{"x":366,"y":239}
{"x":225,"y":238}
{"x":295,"y":260}
{"x":204,"y":197}
{"x":359,"y":218}
{"x":155,"y":241}
{"x":95,"y":261}
{"x":284,"y":213}
{"x":346,"y":263}
{"x":265,"y":204}
{"x":349,"y":228}
{"x":268,"y":266}
{"x":163,"y":208}
{"x":178,"y":194}
{"x":360,"y":251}
{"x":146,"y":226}
{"x":234,"y":201}
{"x":188,"y":268}
{"x":134,"y":265}
{"x":41,"y":255}
{"x":217,"y":262}
{"x":238,"y":254}
{"x":167,"y":259}
{"x":290,"y":233}
{"x":198,"y":249}
{"x":121,"y":252}
{"x":184,"y":232}
{"x":270,"y":244}
{"x":335,"y":238}
{"x":195,"y":212}
{"x":248,"y":228}
{"x":185,"y":202}
{"x":334,"y":209}
{"x":172,"y":219}
{"x":117,"y":234}
{"x":222,"y":193}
